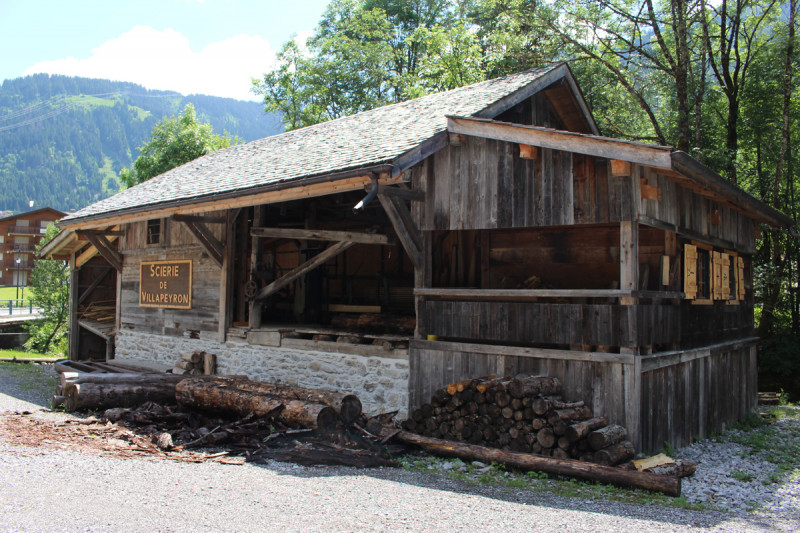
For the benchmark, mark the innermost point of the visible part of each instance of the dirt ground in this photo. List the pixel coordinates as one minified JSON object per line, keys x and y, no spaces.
{"x":94,"y":436}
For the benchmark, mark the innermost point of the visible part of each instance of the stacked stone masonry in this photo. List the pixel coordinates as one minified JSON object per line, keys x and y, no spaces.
{"x":381,"y":383}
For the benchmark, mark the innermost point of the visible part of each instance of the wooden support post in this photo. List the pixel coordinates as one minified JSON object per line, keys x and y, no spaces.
{"x":256,"y":252}
{"x":204,"y":236}
{"x":226,"y":277}
{"x":303,"y":269}
{"x":74,"y":328}
{"x":406,"y":230}
{"x":632,"y":377}
{"x":629,"y":258}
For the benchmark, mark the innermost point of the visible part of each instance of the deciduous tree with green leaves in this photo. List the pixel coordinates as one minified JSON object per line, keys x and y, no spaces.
{"x":174,"y":141}
{"x":50,"y":293}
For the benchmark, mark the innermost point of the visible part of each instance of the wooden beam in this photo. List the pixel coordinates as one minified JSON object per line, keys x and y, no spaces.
{"x":404,"y":226}
{"x":332,"y":251}
{"x":404,"y":194}
{"x":517,"y":97}
{"x":104,"y":248}
{"x":104,"y":232}
{"x":323,"y":235}
{"x":85,"y":256}
{"x":199,"y":218}
{"x":620,"y":168}
{"x":515,"y":351}
{"x":563,"y":140}
{"x":93,"y":285}
{"x":282,"y":194}
{"x":514,"y":294}
{"x":204,"y":236}
{"x":526,"y":151}
{"x":419,"y":153}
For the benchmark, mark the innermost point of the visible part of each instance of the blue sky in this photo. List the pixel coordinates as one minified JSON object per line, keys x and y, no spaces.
{"x":190,"y":46}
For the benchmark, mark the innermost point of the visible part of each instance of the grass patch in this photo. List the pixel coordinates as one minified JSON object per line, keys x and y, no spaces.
{"x":770,"y":441}
{"x":19,"y":354}
{"x":498,"y":476}
{"x":742,"y":476}
{"x":10,"y":293}
{"x":91,"y":102}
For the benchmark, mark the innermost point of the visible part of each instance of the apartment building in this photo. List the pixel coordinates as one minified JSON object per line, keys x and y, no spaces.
{"x":19,"y":236}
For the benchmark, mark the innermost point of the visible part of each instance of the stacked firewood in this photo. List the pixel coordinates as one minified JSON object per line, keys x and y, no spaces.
{"x":195,"y":364}
{"x":521,"y":414}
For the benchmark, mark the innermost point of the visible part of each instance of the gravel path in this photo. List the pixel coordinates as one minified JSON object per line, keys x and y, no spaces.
{"x":61,"y":490}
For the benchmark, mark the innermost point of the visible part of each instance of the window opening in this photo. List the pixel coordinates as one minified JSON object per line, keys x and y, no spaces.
{"x":154,"y":231}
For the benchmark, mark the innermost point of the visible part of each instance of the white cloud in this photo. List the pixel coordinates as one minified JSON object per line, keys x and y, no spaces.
{"x":164,"y":60}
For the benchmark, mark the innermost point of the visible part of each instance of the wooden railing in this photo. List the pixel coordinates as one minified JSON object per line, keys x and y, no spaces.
{"x":26,"y":230}
{"x":12,"y":247}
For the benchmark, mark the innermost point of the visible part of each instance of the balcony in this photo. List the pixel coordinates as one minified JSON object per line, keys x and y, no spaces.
{"x":22,"y":265}
{"x":25,"y":247}
{"x":26,"y":230}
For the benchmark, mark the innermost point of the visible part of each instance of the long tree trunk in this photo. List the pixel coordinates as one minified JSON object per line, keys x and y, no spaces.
{"x":681,"y":71}
{"x":732,"y":139}
{"x":564,"y":467}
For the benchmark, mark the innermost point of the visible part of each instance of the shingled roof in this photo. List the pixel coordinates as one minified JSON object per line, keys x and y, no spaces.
{"x":361,"y":141}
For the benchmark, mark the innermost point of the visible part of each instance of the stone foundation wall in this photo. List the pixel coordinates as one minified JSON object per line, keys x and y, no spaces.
{"x":381,"y":383}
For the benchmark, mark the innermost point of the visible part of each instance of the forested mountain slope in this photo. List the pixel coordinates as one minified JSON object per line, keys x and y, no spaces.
{"x":63,"y":140}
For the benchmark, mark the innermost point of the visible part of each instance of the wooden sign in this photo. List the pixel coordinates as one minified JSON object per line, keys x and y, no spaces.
{"x":166,"y":284}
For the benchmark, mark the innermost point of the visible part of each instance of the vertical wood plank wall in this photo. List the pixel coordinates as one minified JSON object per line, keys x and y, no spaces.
{"x":695,"y":394}
{"x":484,"y":184}
{"x":179,"y":243}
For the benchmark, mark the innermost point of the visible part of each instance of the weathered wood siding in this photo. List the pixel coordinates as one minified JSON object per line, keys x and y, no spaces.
{"x":484,"y":184}
{"x":597,"y":379}
{"x":696,"y":393}
{"x":203,"y":318}
{"x":690,"y":213}
{"x":552,"y":323}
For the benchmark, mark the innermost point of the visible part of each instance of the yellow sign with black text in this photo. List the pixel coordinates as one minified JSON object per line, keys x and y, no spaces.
{"x":166,"y":284}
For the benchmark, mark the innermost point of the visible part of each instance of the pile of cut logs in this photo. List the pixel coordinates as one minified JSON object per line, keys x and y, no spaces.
{"x":520,"y":414}
{"x":196,"y":364}
{"x":238,"y":396}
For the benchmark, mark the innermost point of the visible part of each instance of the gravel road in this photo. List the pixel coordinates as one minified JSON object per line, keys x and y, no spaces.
{"x":61,"y":490}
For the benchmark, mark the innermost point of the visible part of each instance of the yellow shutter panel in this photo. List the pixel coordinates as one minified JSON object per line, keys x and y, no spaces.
{"x":740,"y":278}
{"x":725,"y":275}
{"x":716,"y":278}
{"x":690,"y":271}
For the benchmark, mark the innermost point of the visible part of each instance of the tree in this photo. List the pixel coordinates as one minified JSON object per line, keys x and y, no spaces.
{"x":734,"y":35}
{"x":363,"y":54}
{"x":173,"y":142}
{"x":50,"y":293}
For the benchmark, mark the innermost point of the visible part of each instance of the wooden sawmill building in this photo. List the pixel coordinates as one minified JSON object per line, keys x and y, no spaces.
{"x":487,"y":229}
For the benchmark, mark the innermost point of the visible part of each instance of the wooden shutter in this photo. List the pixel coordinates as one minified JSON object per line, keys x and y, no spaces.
{"x":716,"y":275}
{"x":725,"y":275}
{"x":740,"y":278}
{"x":690,"y":271}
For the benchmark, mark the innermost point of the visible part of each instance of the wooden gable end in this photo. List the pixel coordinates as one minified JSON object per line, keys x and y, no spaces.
{"x":490,"y":184}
